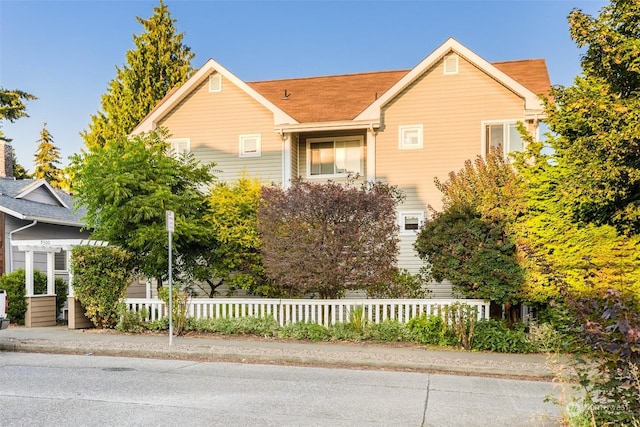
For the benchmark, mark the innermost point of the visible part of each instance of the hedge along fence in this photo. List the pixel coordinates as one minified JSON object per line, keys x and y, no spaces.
{"x":325,"y":312}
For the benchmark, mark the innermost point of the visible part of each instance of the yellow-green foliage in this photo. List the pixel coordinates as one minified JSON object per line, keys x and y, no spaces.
{"x":560,"y":251}
{"x":234,"y":223}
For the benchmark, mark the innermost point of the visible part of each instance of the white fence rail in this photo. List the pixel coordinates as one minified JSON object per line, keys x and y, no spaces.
{"x":323,"y":312}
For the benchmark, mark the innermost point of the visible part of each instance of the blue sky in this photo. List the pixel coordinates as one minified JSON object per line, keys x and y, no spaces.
{"x":65,"y":52}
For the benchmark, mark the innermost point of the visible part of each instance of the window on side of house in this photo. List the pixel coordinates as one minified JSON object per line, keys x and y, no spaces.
{"x":410,"y":222}
{"x":215,"y":83}
{"x":250,"y":145}
{"x":335,"y":157}
{"x":60,"y":262}
{"x":179,"y":146}
{"x":503,"y":136}
{"x":410,"y":137}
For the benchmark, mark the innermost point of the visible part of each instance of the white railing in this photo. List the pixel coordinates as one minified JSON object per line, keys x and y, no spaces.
{"x":324,"y":312}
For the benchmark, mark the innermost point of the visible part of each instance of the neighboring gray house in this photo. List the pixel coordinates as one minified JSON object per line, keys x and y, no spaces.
{"x":34,"y":210}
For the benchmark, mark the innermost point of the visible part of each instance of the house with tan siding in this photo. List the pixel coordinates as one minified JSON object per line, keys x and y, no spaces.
{"x":404,"y":127}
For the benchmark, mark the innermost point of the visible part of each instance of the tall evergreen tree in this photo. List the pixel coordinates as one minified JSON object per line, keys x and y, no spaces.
{"x":159,"y":62}
{"x":12,"y":106}
{"x":47,"y":159}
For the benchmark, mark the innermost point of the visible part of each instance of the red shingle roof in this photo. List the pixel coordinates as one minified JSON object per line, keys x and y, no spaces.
{"x":343,"y":97}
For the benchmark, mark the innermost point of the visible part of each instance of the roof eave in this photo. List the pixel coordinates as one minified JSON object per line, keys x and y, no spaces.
{"x":151,"y":121}
{"x":530,"y":99}
{"x":329,"y":126}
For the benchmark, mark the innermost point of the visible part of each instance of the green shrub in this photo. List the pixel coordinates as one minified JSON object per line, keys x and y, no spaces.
{"x":101,"y":275}
{"x":262,"y":326}
{"x":431,"y":330}
{"x":545,"y":339}
{"x":494,"y":335}
{"x":403,"y":285}
{"x":345,"y":332}
{"x":358,"y":318}
{"x":462,"y":318}
{"x":131,"y":321}
{"x":14,"y":284}
{"x":387,"y":331}
{"x":305,"y":331}
{"x":179,"y":306}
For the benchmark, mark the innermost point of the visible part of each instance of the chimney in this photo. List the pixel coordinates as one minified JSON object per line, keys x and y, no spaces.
{"x":6,"y":160}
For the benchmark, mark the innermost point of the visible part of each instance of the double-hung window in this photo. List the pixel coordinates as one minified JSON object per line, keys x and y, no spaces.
{"x":335,"y":156}
{"x":502,"y":136}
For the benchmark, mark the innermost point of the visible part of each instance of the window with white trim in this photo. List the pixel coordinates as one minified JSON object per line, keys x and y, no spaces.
{"x":410,"y":222}
{"x":410,"y":137}
{"x":215,"y":83}
{"x":250,"y":145}
{"x":502,"y":136}
{"x":451,"y":64}
{"x":179,"y":146}
{"x":60,"y":262}
{"x":335,"y":157}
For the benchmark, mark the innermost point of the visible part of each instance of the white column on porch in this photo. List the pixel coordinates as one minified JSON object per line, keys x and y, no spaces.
{"x":51,"y":276}
{"x":70,"y":290}
{"x":286,"y":160}
{"x":28,"y":272}
{"x":371,"y":155}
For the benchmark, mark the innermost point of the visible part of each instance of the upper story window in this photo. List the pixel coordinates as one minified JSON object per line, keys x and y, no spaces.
{"x":215,"y":83}
{"x":250,"y":145}
{"x":335,"y":156}
{"x":502,"y":136}
{"x":179,"y":146}
{"x":410,"y":137}
{"x":410,"y":222}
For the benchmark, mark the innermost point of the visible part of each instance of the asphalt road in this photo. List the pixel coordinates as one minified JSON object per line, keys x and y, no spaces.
{"x":71,"y":390}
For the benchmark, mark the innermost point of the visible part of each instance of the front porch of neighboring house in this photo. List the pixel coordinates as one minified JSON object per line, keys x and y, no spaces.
{"x":41,"y":309}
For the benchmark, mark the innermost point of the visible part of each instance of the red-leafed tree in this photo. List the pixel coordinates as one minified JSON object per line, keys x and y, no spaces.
{"x":329,"y":238}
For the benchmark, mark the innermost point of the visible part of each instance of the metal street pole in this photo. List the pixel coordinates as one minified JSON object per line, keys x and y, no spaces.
{"x":170,"y":229}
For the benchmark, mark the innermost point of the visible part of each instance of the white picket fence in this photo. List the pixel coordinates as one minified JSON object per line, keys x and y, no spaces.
{"x":324,"y":312}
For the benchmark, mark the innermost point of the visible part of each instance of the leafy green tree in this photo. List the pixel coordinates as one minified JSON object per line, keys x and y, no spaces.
{"x":236,"y":260}
{"x":47,"y":158}
{"x":12,"y":106}
{"x":469,"y":242}
{"x":595,"y":121}
{"x":127,"y":186}
{"x":159,"y":62}
{"x":327,"y":238}
{"x":559,"y":253}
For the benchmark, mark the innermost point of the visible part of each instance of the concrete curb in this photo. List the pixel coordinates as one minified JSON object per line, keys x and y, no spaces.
{"x":369,"y":356}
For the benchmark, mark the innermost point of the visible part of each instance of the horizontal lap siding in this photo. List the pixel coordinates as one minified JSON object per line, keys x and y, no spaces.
{"x":213,"y":122}
{"x":451,"y":109}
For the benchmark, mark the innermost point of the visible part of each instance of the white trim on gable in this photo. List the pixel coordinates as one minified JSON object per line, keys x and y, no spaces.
{"x":41,"y":183}
{"x":451,"y":45}
{"x":149,"y":123}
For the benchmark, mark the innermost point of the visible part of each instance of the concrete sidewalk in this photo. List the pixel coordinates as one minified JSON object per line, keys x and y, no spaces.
{"x":396,"y":356}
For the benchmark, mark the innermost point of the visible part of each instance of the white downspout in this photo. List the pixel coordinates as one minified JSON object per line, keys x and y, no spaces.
{"x":35,"y":221}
